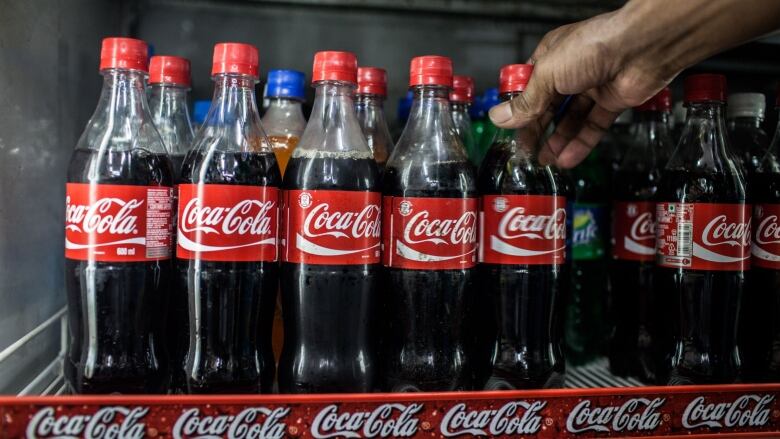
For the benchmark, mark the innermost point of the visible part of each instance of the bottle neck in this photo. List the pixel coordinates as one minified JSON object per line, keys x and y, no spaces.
{"x":170,"y":112}
{"x":703,"y":142}
{"x":234,"y":98}
{"x":430,"y":113}
{"x":651,"y":144}
{"x":460,"y":107}
{"x":285,"y":108}
{"x":370,"y":109}
{"x":123,"y":93}
{"x":745,"y":122}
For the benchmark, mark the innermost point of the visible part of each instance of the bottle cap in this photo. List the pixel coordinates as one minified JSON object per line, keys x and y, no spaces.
{"x":334,"y":66}
{"x":746,"y":105}
{"x":462,"y":89}
{"x":123,"y":53}
{"x":705,"y":87}
{"x":491,"y":98}
{"x":169,"y":70}
{"x":200,"y":110}
{"x":662,"y":101}
{"x":514,"y":77}
{"x":430,"y":70}
{"x":237,"y":58}
{"x":285,"y":84}
{"x":372,"y":81}
{"x":477,"y":110}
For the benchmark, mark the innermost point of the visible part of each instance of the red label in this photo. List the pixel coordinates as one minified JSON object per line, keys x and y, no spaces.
{"x":227,"y":222}
{"x":633,"y":230}
{"x":523,"y":229}
{"x":766,"y":240}
{"x":117,"y":223}
{"x":332,"y":227}
{"x":703,"y":236}
{"x":430,"y":233}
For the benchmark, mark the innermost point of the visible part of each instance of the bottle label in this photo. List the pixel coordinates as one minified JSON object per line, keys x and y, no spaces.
{"x":228,"y":222}
{"x":523,"y":229}
{"x":588,"y":241}
{"x":633,"y":225}
{"x":766,"y":241}
{"x":117,"y":223}
{"x":430,"y":233}
{"x":325,"y":227}
{"x":703,"y":236}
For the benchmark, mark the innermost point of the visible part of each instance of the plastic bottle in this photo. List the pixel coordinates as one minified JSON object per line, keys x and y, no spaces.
{"x":369,"y":107}
{"x":283,"y":120}
{"x":744,"y":115}
{"x":490,"y":100}
{"x":461,"y":96}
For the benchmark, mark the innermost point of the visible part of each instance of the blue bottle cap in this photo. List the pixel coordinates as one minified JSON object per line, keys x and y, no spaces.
{"x":200,"y":111}
{"x":285,"y":84}
{"x":405,"y":106}
{"x":491,"y":98}
{"x":477,"y":108}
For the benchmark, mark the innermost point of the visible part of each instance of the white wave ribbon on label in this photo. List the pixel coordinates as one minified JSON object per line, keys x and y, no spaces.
{"x":636,"y":247}
{"x":73,"y":246}
{"x":763,"y":254}
{"x":508,"y":249}
{"x":412,"y":254}
{"x":307,"y":246}
{"x":702,"y":253}
{"x":193,"y":246}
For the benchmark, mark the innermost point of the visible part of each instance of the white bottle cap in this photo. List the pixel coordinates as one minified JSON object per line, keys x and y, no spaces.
{"x":679,"y":112}
{"x":746,"y":105}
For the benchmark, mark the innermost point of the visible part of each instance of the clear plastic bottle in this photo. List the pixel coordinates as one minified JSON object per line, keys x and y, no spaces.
{"x":490,"y":100}
{"x":283,"y":120}
{"x":227,"y":254}
{"x":118,"y":217}
{"x":330,"y":245}
{"x":430,"y":220}
{"x":169,"y":86}
{"x":369,"y":106}
{"x":461,"y":97}
{"x":744,"y":114}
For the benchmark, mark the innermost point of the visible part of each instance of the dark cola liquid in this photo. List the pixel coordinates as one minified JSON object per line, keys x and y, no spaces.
{"x":229,"y":349}
{"x":698,"y":335}
{"x":176,"y":323}
{"x":425,"y":344}
{"x":524,"y":298}
{"x":759,"y":339}
{"x":123,"y":302}
{"x":633,"y":350}
{"x":329,"y":310}
{"x":177,"y":161}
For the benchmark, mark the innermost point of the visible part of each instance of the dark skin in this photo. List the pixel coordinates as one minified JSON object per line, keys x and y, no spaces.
{"x":618,"y":60}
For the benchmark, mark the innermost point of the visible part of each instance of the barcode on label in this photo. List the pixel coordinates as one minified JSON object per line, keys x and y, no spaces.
{"x":684,"y":238}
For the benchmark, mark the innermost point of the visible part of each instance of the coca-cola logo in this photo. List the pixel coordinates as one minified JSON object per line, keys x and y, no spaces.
{"x":643,"y":227}
{"x":636,"y":414}
{"x":106,"y":422}
{"x":721,"y":232}
{"x":100,"y":216}
{"x":513,"y":418}
{"x":516,"y":224}
{"x":768,"y":231}
{"x":250,"y":423}
{"x":320,"y":221}
{"x":246,"y":217}
{"x":750,"y":410}
{"x":386,"y":420}
{"x":461,"y":230}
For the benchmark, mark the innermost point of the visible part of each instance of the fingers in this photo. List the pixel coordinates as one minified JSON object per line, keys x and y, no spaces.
{"x":529,"y":106}
{"x":592,"y":129}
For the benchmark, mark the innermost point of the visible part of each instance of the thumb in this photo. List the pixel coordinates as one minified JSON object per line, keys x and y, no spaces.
{"x":529,"y":106}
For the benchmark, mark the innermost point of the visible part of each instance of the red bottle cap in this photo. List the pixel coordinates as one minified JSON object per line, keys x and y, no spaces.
{"x":334,"y":66}
{"x":123,"y":53}
{"x":372,"y":81}
{"x":462,"y":89}
{"x":169,"y":70}
{"x":705,"y":87}
{"x":660,"y":102}
{"x":430,"y":70}
{"x":514,"y":77}
{"x":235,"y":58}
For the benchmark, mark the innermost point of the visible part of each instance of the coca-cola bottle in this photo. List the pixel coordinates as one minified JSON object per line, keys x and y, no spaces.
{"x":119,"y":197}
{"x":369,"y":107}
{"x":461,"y":96}
{"x":634,"y":308}
{"x":490,"y":100}
{"x":331,"y":243}
{"x":523,"y":235}
{"x":169,"y":86}
{"x":702,"y":242}
{"x":430,"y":220}
{"x":283,"y":120}
{"x":745,"y":113}
{"x":227,"y":236}
{"x":760,"y":328}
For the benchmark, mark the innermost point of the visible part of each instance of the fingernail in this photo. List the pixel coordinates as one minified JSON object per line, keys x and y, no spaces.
{"x":501,"y":113}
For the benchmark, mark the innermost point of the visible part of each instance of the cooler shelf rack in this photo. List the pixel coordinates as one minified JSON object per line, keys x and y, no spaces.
{"x":593,"y":404}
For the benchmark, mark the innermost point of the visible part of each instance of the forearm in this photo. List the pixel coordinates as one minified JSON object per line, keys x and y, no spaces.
{"x":680,"y":33}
